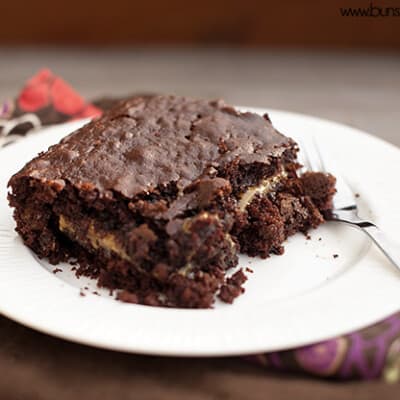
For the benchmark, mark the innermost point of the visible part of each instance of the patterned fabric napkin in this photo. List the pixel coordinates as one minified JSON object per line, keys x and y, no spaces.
{"x":373,"y":352}
{"x":45,"y":99}
{"x":370,"y":353}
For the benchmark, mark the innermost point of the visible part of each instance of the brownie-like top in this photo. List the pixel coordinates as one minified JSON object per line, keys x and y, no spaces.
{"x":150,"y":141}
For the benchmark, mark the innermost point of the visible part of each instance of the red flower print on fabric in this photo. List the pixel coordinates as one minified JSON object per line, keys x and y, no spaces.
{"x":46,"y":89}
{"x":35,"y":95}
{"x":89,"y":111}
{"x":65,"y":99}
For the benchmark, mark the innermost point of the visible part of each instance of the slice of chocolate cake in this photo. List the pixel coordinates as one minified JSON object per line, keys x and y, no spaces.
{"x":157,"y":197}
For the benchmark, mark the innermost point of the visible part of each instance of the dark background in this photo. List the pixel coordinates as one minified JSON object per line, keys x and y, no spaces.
{"x":245,"y":23}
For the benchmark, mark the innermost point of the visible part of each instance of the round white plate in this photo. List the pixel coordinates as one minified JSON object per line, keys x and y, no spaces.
{"x":303,"y":296}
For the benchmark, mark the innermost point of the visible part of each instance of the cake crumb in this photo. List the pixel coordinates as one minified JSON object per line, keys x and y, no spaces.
{"x":248,"y":269}
{"x":308,"y":237}
{"x":319,"y":239}
{"x":81,"y":293}
{"x":233,"y":287}
{"x":335,"y":255}
{"x":55,"y":270}
{"x":357,"y":195}
{"x":96,"y":293}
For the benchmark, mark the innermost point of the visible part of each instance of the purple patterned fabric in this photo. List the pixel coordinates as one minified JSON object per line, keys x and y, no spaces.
{"x":372,"y":352}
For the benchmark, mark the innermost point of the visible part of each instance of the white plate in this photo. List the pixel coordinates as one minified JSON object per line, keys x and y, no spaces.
{"x":304,"y":296}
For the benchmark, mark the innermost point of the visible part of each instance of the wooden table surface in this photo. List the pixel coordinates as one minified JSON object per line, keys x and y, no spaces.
{"x":361,"y":90}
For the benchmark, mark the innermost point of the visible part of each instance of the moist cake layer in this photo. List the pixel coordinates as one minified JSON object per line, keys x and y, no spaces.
{"x":156,"y":198}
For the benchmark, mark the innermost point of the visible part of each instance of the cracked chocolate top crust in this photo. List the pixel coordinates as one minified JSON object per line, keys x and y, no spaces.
{"x":148,"y":142}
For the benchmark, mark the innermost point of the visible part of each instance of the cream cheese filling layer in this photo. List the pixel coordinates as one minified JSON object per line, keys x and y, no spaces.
{"x":108,"y":241}
{"x":266,"y":186}
{"x":105,"y":241}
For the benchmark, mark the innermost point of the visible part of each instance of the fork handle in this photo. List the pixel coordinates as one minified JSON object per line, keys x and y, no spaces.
{"x":390,"y":249}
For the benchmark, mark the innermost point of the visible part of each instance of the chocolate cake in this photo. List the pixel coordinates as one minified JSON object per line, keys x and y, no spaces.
{"x":156,"y":198}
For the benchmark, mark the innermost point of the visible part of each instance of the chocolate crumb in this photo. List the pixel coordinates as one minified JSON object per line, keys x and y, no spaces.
{"x":249,"y":270}
{"x":357,"y":195}
{"x":308,"y":237}
{"x":55,"y":270}
{"x":233,"y":287}
{"x":319,"y":239}
{"x":82,"y":294}
{"x":238,"y":278}
{"x":335,"y":255}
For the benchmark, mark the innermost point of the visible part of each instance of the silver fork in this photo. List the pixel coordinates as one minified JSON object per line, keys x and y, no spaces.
{"x":344,"y":203}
